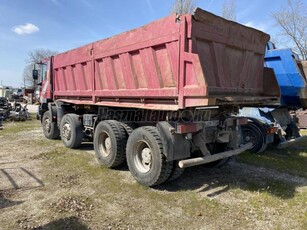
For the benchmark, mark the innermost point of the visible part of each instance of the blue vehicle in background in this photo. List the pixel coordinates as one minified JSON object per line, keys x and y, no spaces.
{"x":276,"y":125}
{"x":289,"y":74}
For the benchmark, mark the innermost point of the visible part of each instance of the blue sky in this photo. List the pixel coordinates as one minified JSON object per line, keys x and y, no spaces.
{"x":61,"y":25}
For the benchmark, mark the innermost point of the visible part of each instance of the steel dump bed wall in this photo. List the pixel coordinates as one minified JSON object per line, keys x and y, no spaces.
{"x":200,"y":60}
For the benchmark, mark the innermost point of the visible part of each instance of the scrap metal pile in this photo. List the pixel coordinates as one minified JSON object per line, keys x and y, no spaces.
{"x":15,"y":112}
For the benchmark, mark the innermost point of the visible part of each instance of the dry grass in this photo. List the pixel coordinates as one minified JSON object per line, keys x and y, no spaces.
{"x":252,"y":192}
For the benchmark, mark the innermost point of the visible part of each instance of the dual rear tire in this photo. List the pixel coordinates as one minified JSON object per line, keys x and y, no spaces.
{"x":143,"y":151}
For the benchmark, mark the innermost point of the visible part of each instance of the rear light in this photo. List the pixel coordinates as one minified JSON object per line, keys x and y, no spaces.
{"x":188,"y":128}
{"x":272,"y":130}
{"x":242,"y":121}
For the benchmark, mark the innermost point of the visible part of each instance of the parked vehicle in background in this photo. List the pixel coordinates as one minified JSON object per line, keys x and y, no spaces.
{"x":161,"y":97}
{"x":5,"y":91}
{"x":276,"y":125}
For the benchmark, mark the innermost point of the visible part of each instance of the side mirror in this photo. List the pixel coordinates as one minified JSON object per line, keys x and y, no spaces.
{"x":35,"y":74}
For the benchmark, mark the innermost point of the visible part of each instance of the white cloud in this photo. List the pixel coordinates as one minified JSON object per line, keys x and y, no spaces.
{"x":27,"y":28}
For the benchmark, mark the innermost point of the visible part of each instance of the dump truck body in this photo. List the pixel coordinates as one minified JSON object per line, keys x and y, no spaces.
{"x":202,"y":60}
{"x":161,"y":97}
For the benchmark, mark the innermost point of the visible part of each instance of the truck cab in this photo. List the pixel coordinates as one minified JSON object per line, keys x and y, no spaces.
{"x":42,"y":75}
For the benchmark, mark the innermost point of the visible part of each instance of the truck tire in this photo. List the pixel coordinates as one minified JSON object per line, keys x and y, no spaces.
{"x":145,"y":157}
{"x":71,"y":131}
{"x":216,"y":148}
{"x":176,"y":172}
{"x":253,"y":134}
{"x":110,"y":141}
{"x":50,"y":128}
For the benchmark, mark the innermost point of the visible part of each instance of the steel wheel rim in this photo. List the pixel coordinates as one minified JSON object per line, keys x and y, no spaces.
{"x":105,"y":144}
{"x":250,"y":137}
{"x":143,"y":157}
{"x":47,"y":125}
{"x":66,"y":131}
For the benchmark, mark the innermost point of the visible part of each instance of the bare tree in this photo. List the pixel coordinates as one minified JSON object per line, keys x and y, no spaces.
{"x":34,"y":56}
{"x":183,"y":6}
{"x":38,"y":55}
{"x":229,"y":10}
{"x":292,"y":20}
{"x":27,"y":76}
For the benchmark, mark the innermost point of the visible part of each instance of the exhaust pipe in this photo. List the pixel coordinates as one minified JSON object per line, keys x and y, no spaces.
{"x":215,"y":157}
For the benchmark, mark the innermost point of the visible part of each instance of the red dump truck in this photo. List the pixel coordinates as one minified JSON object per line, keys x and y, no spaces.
{"x":161,"y":97}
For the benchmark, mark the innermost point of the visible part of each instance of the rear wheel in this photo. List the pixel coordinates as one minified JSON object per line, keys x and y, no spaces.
{"x":145,"y":157}
{"x":71,"y":131}
{"x":254,"y":135}
{"x":110,"y":140}
{"x":216,"y":148}
{"x":176,"y":172}
{"x":50,"y":128}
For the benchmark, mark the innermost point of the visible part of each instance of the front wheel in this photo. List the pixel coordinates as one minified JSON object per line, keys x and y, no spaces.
{"x":50,"y":128}
{"x":145,"y":157}
{"x":71,"y":131}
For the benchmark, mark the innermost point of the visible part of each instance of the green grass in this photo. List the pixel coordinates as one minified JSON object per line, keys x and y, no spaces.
{"x":292,"y":160}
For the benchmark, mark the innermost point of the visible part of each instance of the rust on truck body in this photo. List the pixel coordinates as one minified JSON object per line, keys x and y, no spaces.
{"x":202,"y":60}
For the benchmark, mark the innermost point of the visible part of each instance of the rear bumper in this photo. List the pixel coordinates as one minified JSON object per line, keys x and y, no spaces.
{"x":291,"y":142}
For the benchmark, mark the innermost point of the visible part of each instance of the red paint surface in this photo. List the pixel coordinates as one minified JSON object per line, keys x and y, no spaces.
{"x":166,"y":65}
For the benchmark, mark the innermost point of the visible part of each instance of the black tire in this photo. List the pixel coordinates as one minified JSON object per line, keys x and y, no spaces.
{"x":216,"y":148}
{"x":71,"y":131}
{"x":254,"y":134}
{"x":145,"y":157}
{"x":50,"y":128}
{"x":176,"y":172}
{"x":110,"y":141}
{"x":128,"y":127}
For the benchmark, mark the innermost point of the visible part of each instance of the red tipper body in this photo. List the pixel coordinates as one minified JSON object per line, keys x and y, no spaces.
{"x":196,"y":60}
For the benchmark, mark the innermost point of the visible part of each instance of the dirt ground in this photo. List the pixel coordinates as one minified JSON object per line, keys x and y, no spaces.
{"x":46,"y":186}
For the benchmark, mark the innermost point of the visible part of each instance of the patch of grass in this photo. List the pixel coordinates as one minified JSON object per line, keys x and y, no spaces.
{"x":291,"y":160}
{"x":13,"y":127}
{"x":55,"y":153}
{"x":273,"y":187}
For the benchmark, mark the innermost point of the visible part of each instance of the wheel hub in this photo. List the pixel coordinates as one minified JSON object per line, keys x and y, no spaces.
{"x":143,"y":158}
{"x":66,"y":131}
{"x":107,"y":143}
{"x":146,"y":156}
{"x":47,"y":125}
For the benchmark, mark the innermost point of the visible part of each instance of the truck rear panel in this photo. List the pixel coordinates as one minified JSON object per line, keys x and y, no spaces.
{"x":201,"y":60}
